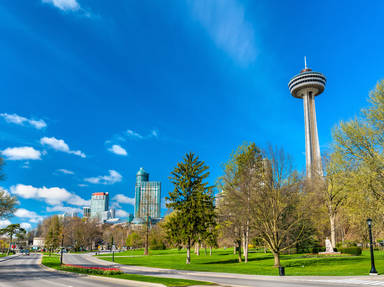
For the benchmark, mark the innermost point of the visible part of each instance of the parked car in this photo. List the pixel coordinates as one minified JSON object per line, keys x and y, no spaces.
{"x":24,"y":252}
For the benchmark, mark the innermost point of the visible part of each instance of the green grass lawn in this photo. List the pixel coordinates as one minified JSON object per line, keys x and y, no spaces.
{"x":3,"y":254}
{"x":259,"y":263}
{"x":53,"y":261}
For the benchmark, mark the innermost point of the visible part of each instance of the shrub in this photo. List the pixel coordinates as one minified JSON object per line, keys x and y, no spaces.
{"x":156,"y":244}
{"x":317,"y":249}
{"x":351,"y":250}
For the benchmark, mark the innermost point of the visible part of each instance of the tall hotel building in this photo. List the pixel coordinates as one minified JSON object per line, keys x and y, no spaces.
{"x":147,"y":196}
{"x":99,"y":204}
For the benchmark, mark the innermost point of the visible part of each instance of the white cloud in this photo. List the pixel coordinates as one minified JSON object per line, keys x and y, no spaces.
{"x":24,"y":213}
{"x":26,"y":225}
{"x":31,"y":215}
{"x":15,"y":119}
{"x":61,"y":208}
{"x":116,"y":149}
{"x":52,"y":196}
{"x":60,"y":145}
{"x":77,"y":200}
{"x":155,"y":133}
{"x":113,"y":177}
{"x":82,"y":184}
{"x":133,"y":134}
{"x":38,"y":124}
{"x":65,"y":5}
{"x":21,"y":153}
{"x":4,"y":223}
{"x":226,"y":24}
{"x":65,"y":171}
{"x":121,"y":213}
{"x":121,"y":198}
{"x":19,"y":120}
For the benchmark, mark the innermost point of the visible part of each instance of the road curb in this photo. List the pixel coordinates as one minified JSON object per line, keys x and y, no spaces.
{"x":102,"y":278}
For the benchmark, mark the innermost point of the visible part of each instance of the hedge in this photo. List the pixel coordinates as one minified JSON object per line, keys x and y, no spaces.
{"x":351,"y":250}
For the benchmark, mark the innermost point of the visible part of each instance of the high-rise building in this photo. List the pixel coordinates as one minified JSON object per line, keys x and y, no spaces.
{"x":86,"y":211}
{"x":147,"y":196}
{"x":307,"y":85}
{"x":99,"y":204}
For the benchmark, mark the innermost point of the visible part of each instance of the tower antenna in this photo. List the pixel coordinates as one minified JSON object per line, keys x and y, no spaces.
{"x":305,"y":61}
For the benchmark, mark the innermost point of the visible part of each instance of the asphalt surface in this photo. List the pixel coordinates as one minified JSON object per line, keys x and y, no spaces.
{"x":228,"y":279}
{"x":25,"y":271}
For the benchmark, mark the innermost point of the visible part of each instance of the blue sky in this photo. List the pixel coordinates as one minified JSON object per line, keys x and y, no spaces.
{"x":93,"y":90}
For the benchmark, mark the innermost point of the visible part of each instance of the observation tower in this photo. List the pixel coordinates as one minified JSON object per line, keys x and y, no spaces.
{"x":307,"y":85}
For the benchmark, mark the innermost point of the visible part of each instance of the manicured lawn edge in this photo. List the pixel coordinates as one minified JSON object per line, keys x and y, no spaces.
{"x":122,"y":278}
{"x":223,"y":261}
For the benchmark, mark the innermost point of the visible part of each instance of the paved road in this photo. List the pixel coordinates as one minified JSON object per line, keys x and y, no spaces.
{"x":228,"y":279}
{"x":25,"y":271}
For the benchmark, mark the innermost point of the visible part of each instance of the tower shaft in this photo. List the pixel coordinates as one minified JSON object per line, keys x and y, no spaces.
{"x":312,"y":147}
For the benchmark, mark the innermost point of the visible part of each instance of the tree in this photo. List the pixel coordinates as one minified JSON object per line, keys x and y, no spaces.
{"x":359,"y":145}
{"x":360,"y":141}
{"x":134,"y":240}
{"x":11,"y":230}
{"x":192,"y":201}
{"x":54,"y":231}
{"x":279,"y":217}
{"x":242,"y":175}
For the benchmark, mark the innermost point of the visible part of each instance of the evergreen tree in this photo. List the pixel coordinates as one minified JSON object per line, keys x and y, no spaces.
{"x":192,"y":201}
{"x":11,"y":230}
{"x":52,"y":239}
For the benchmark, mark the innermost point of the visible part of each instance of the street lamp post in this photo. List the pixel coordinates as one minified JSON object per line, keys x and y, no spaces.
{"x":373,"y":268}
{"x":62,"y":248}
{"x":113,"y":251}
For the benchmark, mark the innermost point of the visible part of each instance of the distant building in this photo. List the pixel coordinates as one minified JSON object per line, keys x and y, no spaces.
{"x":100,"y":207}
{"x":86,"y":211}
{"x":38,"y":242}
{"x":99,"y":204}
{"x":147,"y":197}
{"x":68,"y":215}
{"x":130,"y":217}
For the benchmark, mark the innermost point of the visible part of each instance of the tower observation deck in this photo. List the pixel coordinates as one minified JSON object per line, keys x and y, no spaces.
{"x":307,"y":85}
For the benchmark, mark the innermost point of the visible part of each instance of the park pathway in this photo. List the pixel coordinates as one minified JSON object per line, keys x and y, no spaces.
{"x":231,"y":279}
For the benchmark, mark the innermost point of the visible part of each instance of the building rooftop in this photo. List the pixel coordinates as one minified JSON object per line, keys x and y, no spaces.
{"x":142,"y":172}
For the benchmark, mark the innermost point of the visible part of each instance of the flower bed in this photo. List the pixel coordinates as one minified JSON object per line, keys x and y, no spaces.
{"x":90,"y":267}
{"x":91,"y":270}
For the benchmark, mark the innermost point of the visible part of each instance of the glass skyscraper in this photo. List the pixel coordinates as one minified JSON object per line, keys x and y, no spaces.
{"x":147,"y":196}
{"x":99,"y":204}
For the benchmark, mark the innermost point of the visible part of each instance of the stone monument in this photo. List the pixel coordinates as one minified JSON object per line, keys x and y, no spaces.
{"x":328,"y":248}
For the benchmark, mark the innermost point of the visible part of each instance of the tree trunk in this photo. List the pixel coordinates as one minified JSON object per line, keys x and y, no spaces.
{"x":10,"y":243}
{"x":198,"y":249}
{"x":234,"y":248}
{"x":210,"y":250}
{"x":276,"y":257}
{"x":239,"y":250}
{"x":332,"y":218}
{"x":245,"y":243}
{"x":188,"y":253}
